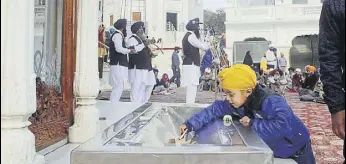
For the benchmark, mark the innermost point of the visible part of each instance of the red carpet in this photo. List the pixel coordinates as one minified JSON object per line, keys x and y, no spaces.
{"x":326,"y":145}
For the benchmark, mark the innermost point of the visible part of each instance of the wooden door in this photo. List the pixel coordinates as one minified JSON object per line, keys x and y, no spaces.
{"x":54,"y":113}
{"x":136,"y":16}
{"x":69,"y":54}
{"x":111,"y":20}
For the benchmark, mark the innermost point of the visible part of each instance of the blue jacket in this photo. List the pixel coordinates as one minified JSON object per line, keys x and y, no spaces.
{"x":271,"y":118}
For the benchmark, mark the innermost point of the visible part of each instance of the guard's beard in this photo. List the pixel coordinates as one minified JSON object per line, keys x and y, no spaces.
{"x":142,"y":37}
{"x":124,"y":33}
{"x":198,"y":35}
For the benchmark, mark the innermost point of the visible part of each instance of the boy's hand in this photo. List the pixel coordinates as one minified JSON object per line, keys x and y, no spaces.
{"x":184,"y":127}
{"x":245,"y":121}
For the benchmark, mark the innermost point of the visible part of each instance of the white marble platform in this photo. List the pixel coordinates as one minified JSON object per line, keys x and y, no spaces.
{"x":112,"y":115}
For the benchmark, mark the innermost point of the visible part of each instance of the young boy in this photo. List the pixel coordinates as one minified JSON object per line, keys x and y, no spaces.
{"x":267,"y":113}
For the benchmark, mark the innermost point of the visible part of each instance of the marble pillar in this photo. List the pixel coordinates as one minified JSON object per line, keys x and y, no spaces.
{"x":18,"y":86}
{"x":86,"y":82}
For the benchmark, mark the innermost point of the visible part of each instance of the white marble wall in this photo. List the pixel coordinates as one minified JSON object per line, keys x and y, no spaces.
{"x":279,"y":24}
{"x":86,"y":82}
{"x":18,"y":89}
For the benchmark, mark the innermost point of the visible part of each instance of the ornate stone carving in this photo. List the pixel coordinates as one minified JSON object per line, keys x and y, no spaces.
{"x":49,"y":122}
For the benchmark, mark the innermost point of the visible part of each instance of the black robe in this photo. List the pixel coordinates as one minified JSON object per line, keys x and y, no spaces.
{"x":248,"y":60}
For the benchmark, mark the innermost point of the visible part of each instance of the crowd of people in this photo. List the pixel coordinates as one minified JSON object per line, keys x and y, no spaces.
{"x":274,"y":74}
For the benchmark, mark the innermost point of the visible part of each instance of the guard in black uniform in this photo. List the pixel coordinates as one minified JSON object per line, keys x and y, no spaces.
{"x":139,"y":63}
{"x":118,"y":60}
{"x":191,"y":72}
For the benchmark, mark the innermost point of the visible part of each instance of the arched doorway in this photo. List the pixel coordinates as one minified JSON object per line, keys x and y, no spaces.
{"x":257,"y":45}
{"x":304,"y":51}
{"x":255,"y":39}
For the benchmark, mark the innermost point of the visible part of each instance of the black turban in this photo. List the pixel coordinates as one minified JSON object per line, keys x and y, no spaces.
{"x":137,"y":26}
{"x":120,"y":24}
{"x":193,"y":24}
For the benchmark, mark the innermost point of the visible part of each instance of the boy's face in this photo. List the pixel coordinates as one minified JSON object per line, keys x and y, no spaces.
{"x":237,"y":98}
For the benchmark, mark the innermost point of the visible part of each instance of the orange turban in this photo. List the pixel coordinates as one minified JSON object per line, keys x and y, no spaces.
{"x":311,"y":69}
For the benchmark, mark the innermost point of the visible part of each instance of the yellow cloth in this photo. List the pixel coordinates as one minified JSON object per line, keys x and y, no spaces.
{"x":238,"y":77}
{"x":102,"y":52}
{"x":263,"y":64}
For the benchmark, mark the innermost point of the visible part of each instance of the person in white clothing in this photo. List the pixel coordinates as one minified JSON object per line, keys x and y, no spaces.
{"x":139,"y":63}
{"x":150,"y":86}
{"x":271,"y":58}
{"x":191,"y":62}
{"x":118,"y":60}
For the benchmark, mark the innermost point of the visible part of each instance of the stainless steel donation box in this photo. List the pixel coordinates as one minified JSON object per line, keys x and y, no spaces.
{"x":145,"y":137}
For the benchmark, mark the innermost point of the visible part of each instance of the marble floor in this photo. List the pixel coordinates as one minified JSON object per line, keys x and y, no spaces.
{"x":62,"y":154}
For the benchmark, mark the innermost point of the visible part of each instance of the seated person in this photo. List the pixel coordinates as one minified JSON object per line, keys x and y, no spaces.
{"x":277,"y":82}
{"x":291,"y":71}
{"x":164,"y":81}
{"x":265,"y":112}
{"x":156,"y":72}
{"x":206,"y":80}
{"x":311,"y":78}
{"x":309,"y":91}
{"x":297,"y":80}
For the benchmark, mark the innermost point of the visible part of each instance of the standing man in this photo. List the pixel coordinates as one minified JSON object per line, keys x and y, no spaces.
{"x":175,"y":67}
{"x":271,"y":57}
{"x":192,"y":59}
{"x":139,"y":64}
{"x":102,"y":49}
{"x":282,"y":63}
{"x":118,"y":60}
{"x":332,"y":60}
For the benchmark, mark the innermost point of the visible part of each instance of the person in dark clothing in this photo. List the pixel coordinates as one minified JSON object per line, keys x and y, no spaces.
{"x":156,"y":72}
{"x":332,"y":62}
{"x":101,"y":49}
{"x":175,"y":67}
{"x":310,"y":81}
{"x":248,"y":59}
{"x":307,"y":91}
{"x":297,"y":81}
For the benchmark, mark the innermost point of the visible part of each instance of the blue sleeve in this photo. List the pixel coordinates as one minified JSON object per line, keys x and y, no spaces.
{"x":275,"y":125}
{"x":216,"y":110}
